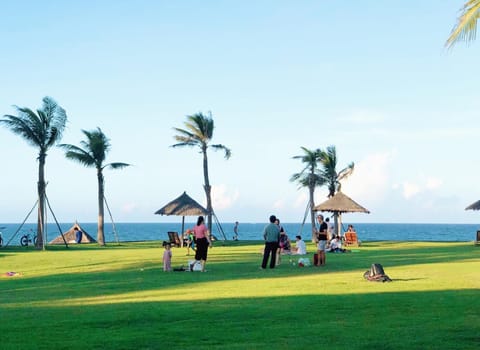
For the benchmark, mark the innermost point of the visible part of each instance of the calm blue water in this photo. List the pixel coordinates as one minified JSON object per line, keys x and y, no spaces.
{"x":252,"y":231}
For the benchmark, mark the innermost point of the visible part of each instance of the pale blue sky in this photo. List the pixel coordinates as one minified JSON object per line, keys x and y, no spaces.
{"x":370,"y":77}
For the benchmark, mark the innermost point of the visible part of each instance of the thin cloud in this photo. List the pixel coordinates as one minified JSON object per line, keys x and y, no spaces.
{"x":433,"y":183}
{"x":410,"y":190}
{"x":370,"y":179}
{"x":223,"y":198}
{"x":364,"y":117}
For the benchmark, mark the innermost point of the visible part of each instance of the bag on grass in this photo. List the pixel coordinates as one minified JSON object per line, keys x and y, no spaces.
{"x":194,"y":265}
{"x":376,"y":274}
{"x":303,"y":262}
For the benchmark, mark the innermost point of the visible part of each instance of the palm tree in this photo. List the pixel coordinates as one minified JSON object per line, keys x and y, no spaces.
{"x":332,"y":178}
{"x":199,"y":133}
{"x":42,"y":129}
{"x":92,"y":153}
{"x":466,"y":27}
{"x":309,"y":177}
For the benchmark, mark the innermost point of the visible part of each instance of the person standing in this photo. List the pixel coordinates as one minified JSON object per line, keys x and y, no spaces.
{"x":167,"y":258}
{"x":202,"y":237}
{"x":271,"y":235}
{"x":78,"y":235}
{"x":322,"y":240}
{"x":235,"y":231}
{"x":330,"y":229}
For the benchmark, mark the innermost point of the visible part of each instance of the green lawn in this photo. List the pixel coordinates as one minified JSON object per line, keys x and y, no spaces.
{"x":118,"y":297}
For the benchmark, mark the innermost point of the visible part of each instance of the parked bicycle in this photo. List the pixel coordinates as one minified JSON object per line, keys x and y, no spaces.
{"x":28,"y":239}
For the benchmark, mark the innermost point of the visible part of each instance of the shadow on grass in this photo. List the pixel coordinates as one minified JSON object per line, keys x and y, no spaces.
{"x":413,"y":320}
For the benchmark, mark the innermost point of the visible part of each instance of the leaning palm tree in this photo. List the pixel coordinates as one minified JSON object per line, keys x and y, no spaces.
{"x":331,"y":177}
{"x":42,"y":130}
{"x":92,"y":153}
{"x":309,"y":177}
{"x":466,"y":27}
{"x":199,"y":133}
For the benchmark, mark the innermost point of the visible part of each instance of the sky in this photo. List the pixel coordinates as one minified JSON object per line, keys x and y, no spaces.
{"x":371,"y":78}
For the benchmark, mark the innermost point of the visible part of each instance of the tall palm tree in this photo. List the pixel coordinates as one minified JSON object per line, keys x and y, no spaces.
{"x":466,"y":27}
{"x":42,"y":129}
{"x":332,"y":178}
{"x":92,"y":153}
{"x":309,"y":177}
{"x":199,"y":133}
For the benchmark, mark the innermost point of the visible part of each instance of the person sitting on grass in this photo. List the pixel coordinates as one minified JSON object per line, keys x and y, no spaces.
{"x":336,"y":245}
{"x":300,"y":246}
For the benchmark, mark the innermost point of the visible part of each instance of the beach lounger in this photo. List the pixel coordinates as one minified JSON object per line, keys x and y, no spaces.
{"x":174,"y":239}
{"x":351,"y":239}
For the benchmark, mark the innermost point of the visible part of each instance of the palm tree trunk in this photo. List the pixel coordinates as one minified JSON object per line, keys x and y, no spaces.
{"x":101,"y":191}
{"x":41,"y":201}
{"x":312,"y":213}
{"x":207,"y":188}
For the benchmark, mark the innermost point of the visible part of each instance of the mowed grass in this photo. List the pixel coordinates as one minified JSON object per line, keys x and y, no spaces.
{"x":118,"y":297}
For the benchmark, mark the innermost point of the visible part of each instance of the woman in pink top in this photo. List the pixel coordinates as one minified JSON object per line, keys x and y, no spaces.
{"x":202,"y":237}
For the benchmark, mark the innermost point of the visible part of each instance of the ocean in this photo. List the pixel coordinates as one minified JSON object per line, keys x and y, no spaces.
{"x":253,"y":231}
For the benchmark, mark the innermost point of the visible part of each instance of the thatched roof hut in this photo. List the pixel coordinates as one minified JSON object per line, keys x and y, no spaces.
{"x":474,"y":206}
{"x":182,"y":206}
{"x":70,"y":236}
{"x":341,"y":203}
{"x":338,"y":204}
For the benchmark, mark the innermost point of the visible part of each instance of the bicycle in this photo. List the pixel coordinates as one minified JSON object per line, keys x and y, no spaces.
{"x":27,"y":239}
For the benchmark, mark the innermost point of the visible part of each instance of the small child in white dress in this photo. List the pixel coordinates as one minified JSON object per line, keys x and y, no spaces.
{"x":167,"y":258}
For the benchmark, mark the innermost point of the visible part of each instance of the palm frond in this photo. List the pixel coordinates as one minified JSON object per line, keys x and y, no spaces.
{"x":346,"y":172}
{"x":116,"y":165}
{"x":94,"y":150}
{"x":227,"y":151}
{"x":78,"y":155}
{"x":21,"y":127}
{"x":466,"y":27}
{"x":201,"y":126}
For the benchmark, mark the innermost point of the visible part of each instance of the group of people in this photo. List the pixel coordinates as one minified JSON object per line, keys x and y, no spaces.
{"x":276,"y":243}
{"x":327,"y":240}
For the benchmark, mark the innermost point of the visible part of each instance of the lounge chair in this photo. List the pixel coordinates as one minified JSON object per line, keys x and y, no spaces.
{"x":351,"y":239}
{"x":174,"y":239}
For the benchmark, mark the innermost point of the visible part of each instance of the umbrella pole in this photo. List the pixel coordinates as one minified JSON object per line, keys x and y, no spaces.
{"x":335,"y":218}
{"x":183,"y":230}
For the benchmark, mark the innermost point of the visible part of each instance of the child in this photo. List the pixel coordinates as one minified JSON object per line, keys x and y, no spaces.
{"x":167,"y":258}
{"x":190,"y":241}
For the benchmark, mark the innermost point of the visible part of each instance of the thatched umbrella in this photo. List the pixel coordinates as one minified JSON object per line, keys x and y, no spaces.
{"x":183,"y":206}
{"x":338,"y":204}
{"x":474,"y":206}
